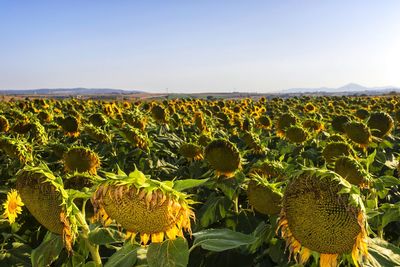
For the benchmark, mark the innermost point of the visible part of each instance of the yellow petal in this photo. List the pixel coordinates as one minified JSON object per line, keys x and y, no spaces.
{"x":172,"y":233}
{"x":328,"y":260}
{"x":144,"y":238}
{"x":157,"y":237}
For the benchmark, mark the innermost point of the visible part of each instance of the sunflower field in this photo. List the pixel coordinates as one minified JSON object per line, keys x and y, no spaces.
{"x":301,"y":181}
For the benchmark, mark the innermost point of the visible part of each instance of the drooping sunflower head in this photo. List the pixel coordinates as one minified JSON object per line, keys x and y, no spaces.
{"x":264,"y":122}
{"x":159,"y":114}
{"x":296,"y":134}
{"x":143,"y":206}
{"x":70,"y":125}
{"x":97,"y":134}
{"x":44,"y":116}
{"x":81,"y":159}
{"x":253,"y":143}
{"x":98,"y":119}
{"x":338,"y":122}
{"x":223,"y":156}
{"x":313,"y":125}
{"x":78,"y":180}
{"x":134,"y":136}
{"x":191,"y":151}
{"x":334,"y":150}
{"x":285,"y":121}
{"x":362,"y":113}
{"x":46,"y":199}
{"x":263,"y":196}
{"x":269,"y":169}
{"x":4,"y":124}
{"x":351,"y":170}
{"x":380,"y":123}
{"x":358,"y":132}
{"x":317,"y":217}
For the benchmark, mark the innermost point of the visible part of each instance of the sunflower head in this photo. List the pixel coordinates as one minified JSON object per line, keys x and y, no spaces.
{"x":380,"y":123}
{"x":191,"y":151}
{"x":351,"y":170}
{"x":269,"y":169}
{"x":338,"y":123}
{"x":159,"y":114}
{"x":44,"y":116}
{"x":46,"y":199}
{"x":4,"y":124}
{"x":78,"y":180}
{"x":313,"y":125}
{"x":12,"y":206}
{"x":317,"y":217}
{"x":263,"y":196}
{"x":334,"y":150}
{"x":70,"y":125}
{"x":143,"y":206}
{"x":223,"y":156}
{"x":362,"y":113}
{"x":296,"y":134}
{"x":97,"y":134}
{"x":81,"y":159}
{"x":21,"y":126}
{"x":98,"y":119}
{"x":134,"y":136}
{"x":285,"y":121}
{"x":358,"y":132}
{"x":264,"y":122}
{"x":309,"y":107}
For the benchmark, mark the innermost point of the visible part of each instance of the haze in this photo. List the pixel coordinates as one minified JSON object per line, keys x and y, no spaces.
{"x":198,"y":46}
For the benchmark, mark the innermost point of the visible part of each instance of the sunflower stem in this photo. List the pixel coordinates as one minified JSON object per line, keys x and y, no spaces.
{"x":93,"y":249}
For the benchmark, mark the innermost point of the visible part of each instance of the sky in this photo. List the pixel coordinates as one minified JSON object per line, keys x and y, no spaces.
{"x":199,"y":46}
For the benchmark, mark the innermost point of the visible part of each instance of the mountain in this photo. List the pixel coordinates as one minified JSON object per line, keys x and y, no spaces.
{"x":348,"y":88}
{"x":69,"y":91}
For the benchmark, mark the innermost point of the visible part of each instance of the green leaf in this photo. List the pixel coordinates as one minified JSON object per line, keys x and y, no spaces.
{"x":370,"y":159}
{"x":391,"y":213}
{"x":47,"y":251}
{"x":213,"y":210}
{"x":125,"y":256}
{"x":18,"y":255}
{"x":170,"y":253}
{"x":221,"y":239}
{"x":102,"y":236}
{"x":383,"y":253}
{"x":181,"y":185}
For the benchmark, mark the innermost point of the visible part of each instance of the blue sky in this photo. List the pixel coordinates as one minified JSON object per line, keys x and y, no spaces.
{"x":194,"y":46}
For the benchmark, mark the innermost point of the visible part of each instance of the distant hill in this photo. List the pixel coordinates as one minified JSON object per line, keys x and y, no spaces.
{"x":69,"y":91}
{"x":346,"y":89}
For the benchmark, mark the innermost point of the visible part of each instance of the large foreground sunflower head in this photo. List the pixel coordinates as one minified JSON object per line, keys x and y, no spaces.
{"x":223,"y":156}
{"x":317,"y":216}
{"x":45,"y":198}
{"x":143,"y":206}
{"x":81,"y":159}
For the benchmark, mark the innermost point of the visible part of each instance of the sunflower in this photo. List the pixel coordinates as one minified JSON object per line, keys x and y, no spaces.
{"x":359,"y":133}
{"x":296,"y":134}
{"x":316,"y":217}
{"x":263,"y":196}
{"x":4,"y":124}
{"x":381,"y":124}
{"x":81,"y":159}
{"x":223,"y":156}
{"x":143,"y":206}
{"x":191,"y":151}
{"x":45,"y":198}
{"x":12,"y":206}
{"x":284,"y":121}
